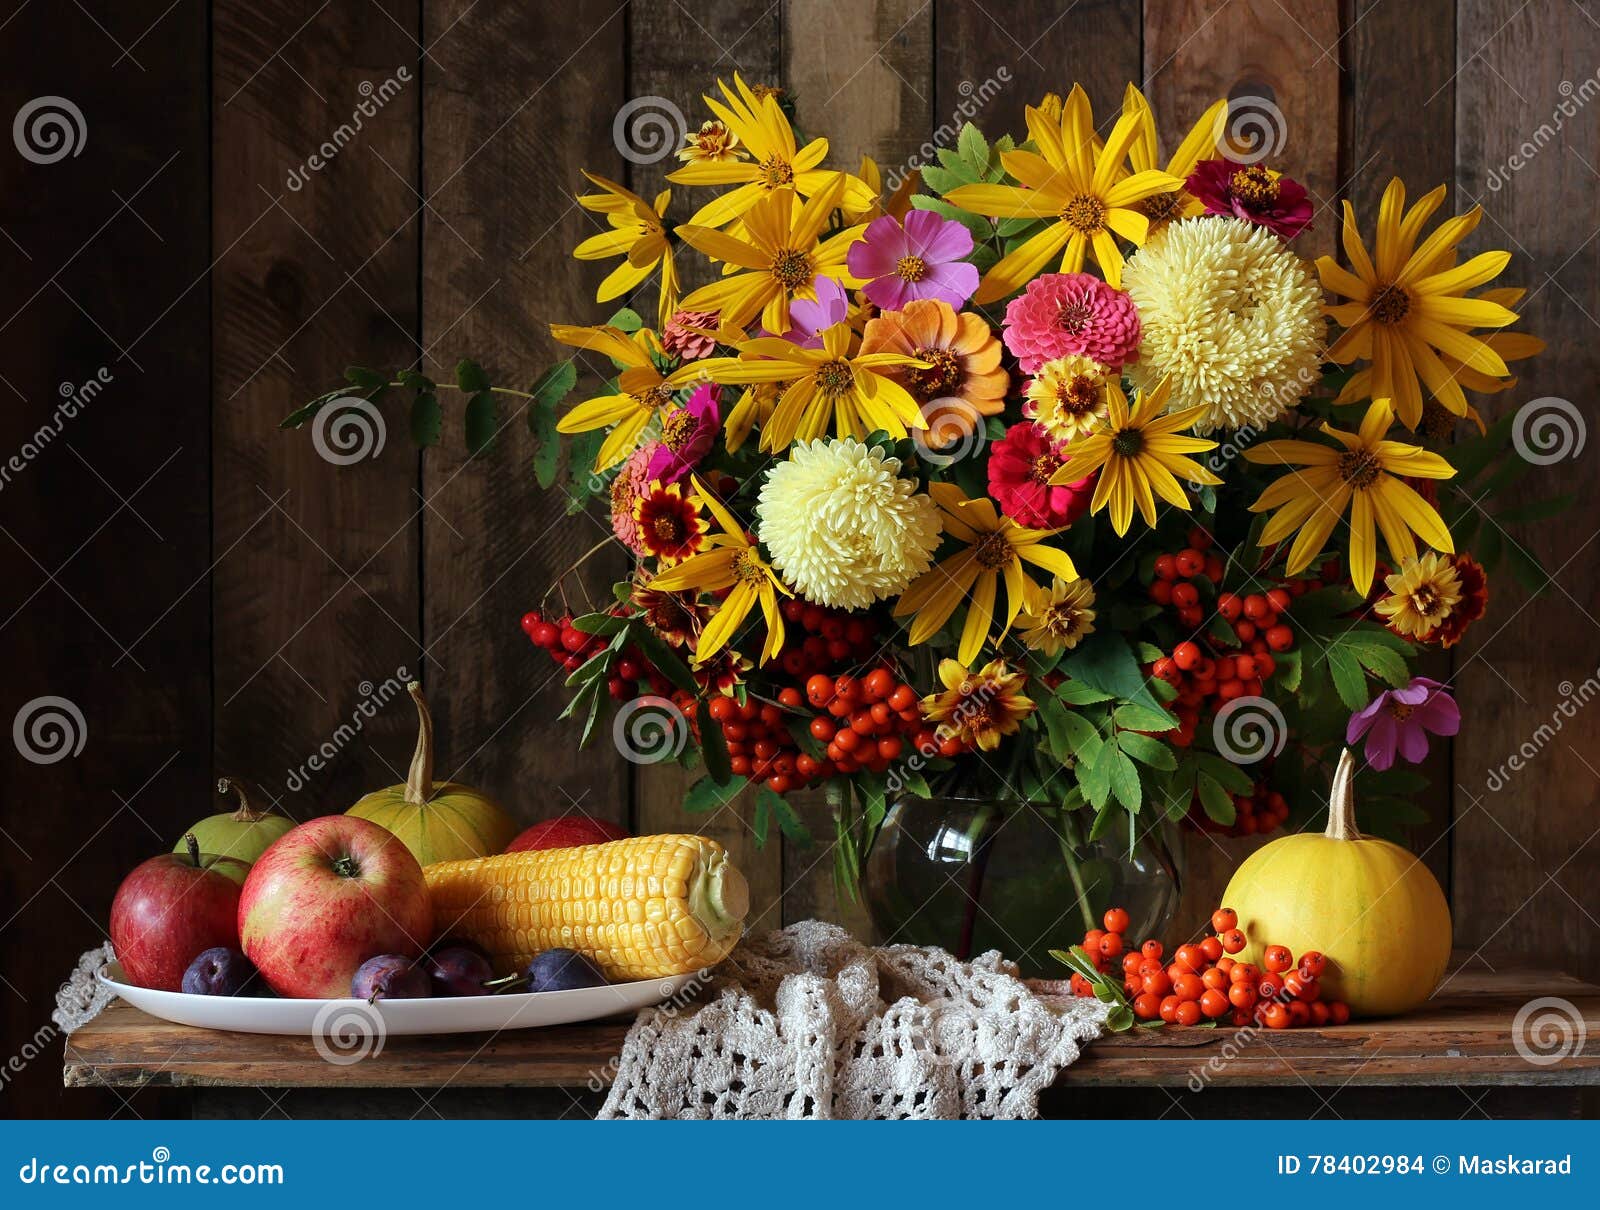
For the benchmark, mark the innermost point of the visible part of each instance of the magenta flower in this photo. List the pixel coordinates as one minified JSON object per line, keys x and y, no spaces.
{"x":1399,"y":720}
{"x":809,"y":318}
{"x":1020,"y":466}
{"x":920,"y":259}
{"x":1062,"y":313}
{"x":1256,"y":194}
{"x":687,"y":435}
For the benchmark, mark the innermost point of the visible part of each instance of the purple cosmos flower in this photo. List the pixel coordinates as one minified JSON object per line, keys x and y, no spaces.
{"x":1399,"y":720}
{"x":687,"y":434}
{"x":921,"y":259}
{"x":1254,"y":193}
{"x":808,"y":318}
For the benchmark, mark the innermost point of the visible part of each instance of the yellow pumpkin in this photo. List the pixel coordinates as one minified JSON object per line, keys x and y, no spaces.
{"x":1373,"y":909}
{"x":449,"y":822}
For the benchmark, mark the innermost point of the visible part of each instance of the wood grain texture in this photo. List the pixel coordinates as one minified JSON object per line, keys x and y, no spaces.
{"x":104,"y":496}
{"x":1528,"y":836}
{"x":315,"y":590}
{"x":1278,"y":64}
{"x":498,"y":230}
{"x":1280,"y":68}
{"x":1399,"y":120}
{"x":678,"y":52}
{"x":1464,"y":1036}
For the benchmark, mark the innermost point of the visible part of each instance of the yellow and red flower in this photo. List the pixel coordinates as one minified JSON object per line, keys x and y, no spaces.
{"x":669,"y":524}
{"x":978,"y":708}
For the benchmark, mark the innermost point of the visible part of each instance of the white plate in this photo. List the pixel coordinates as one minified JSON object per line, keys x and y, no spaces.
{"x":388,"y":1018}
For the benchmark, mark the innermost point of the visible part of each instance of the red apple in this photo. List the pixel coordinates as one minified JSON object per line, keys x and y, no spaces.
{"x":327,"y":896}
{"x":170,"y":909}
{"x":566,"y":832}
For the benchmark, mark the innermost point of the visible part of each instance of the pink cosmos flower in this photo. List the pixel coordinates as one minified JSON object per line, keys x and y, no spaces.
{"x":809,"y":318}
{"x":680,"y":337}
{"x":1020,"y":466}
{"x":1254,"y":193}
{"x":1399,"y":720}
{"x":921,"y":259}
{"x":1062,"y":313}
{"x":687,"y":435}
{"x":632,"y":481}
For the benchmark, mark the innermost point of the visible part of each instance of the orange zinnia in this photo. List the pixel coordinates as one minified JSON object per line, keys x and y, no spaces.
{"x":964,"y":381}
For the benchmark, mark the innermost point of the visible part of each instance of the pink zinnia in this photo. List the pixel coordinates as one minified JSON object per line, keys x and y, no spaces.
{"x":920,"y":259}
{"x":632,"y":481}
{"x":679,"y":338}
{"x":1399,"y":720}
{"x":1257,"y":195}
{"x":687,"y":435}
{"x":1062,"y":313}
{"x":1020,"y":466}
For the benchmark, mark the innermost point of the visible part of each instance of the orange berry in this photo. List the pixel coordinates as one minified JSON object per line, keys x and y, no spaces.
{"x":1091,"y":940}
{"x":1319,"y":1013}
{"x":1224,"y":919}
{"x":1276,"y":1016}
{"x":1313,"y":963}
{"x":1277,"y":959}
{"x":1188,"y":987}
{"x":1131,"y":962}
{"x":902,"y":699}
{"x":1169,"y":1009}
{"x":1187,"y":1013}
{"x":1191,"y":958}
{"x":1299,"y":1014}
{"x":1233,"y":940}
{"x":1146,"y":1006}
{"x":1244,"y":972}
{"x":1151,"y":949}
{"x":1338,"y":1012}
{"x":1211,"y":948}
{"x":1270,"y":987}
{"x":1215,"y":978}
{"x":1116,"y":921}
{"x":1214,"y":1003}
{"x":879,"y":684}
{"x":1158,"y":983}
{"x":1242,"y":995}
{"x":1111,"y":944}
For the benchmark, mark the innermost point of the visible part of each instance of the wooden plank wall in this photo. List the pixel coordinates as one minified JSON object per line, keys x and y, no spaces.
{"x":217,"y":597}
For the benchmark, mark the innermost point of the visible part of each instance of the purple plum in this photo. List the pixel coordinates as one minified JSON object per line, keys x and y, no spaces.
{"x":390,"y":977}
{"x":456,"y":970}
{"x":219,"y":971}
{"x":563,"y":970}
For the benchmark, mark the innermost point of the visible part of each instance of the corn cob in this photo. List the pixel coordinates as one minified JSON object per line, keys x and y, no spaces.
{"x":641,"y":908}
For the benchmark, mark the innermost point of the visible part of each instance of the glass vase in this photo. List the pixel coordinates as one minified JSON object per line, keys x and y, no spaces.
{"x":975,"y":874}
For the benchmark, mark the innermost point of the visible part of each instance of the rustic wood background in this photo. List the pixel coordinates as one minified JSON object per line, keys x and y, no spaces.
{"x":212,"y":595}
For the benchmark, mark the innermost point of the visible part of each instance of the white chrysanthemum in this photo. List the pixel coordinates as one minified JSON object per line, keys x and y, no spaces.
{"x":1231,"y":315}
{"x":842,"y":525}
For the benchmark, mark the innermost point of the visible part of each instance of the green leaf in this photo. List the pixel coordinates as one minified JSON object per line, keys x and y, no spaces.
{"x":470,"y":376}
{"x":413,"y":381}
{"x":1224,"y":772}
{"x":1135,"y":717}
{"x":666,"y":660}
{"x":604,"y":624}
{"x":1076,"y":693}
{"x":974,"y":149}
{"x":626,"y":320}
{"x":761,"y":824}
{"x":788,"y":820}
{"x":708,"y":794}
{"x":712,"y":744}
{"x":427,"y":421}
{"x":1381,"y":662}
{"x":1348,"y":678}
{"x":553,"y":386}
{"x":1072,"y":737}
{"x":482,"y":422}
{"x":1094,"y":776}
{"x":1125,"y":782}
{"x":1104,"y":661}
{"x":1146,"y":750}
{"x":1217,"y":802}
{"x":365,"y":379}
{"x":1287,"y":668}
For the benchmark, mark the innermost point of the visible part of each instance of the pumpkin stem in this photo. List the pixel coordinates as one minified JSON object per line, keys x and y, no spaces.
{"x":419,"y":781}
{"x":1342,"y":801}
{"x":245,"y":812}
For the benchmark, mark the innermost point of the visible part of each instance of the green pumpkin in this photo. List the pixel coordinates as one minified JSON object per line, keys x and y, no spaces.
{"x":243,"y":835}
{"x":448,"y":822}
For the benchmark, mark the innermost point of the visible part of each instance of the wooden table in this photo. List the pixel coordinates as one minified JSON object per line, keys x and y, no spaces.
{"x":1462,"y":1039}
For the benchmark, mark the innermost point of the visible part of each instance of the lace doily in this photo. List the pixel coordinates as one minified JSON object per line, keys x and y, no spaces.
{"x":808,"y":1022}
{"x":82,"y":996}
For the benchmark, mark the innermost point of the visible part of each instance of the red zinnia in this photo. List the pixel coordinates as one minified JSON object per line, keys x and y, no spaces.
{"x":670,"y":526}
{"x":1253,"y":193}
{"x":1020,"y":466}
{"x":1474,"y":601}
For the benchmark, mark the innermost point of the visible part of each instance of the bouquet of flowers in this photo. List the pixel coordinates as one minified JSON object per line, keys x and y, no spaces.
{"x":1045,"y":474}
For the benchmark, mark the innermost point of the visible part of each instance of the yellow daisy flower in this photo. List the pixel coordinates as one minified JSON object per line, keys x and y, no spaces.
{"x":641,"y":389}
{"x":1060,"y":619}
{"x":1408,"y":311}
{"x":1139,"y":455}
{"x":1364,"y":475}
{"x":996,"y":546}
{"x":712,"y":142}
{"x":732,"y":563}
{"x":1075,"y":182}
{"x":978,"y":708}
{"x":1067,"y":396}
{"x":779,"y":257}
{"x":638,"y":235}
{"x":756,"y":122}
{"x":1422,"y":595}
{"x":823,"y":384}
{"x":1199,"y":144}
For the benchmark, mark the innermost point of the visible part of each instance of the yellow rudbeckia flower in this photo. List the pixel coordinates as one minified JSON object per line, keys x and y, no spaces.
{"x":996,"y":546}
{"x":823,"y":384}
{"x":776,"y":163}
{"x":1363,"y":474}
{"x":1199,"y":144}
{"x":777,"y":259}
{"x":732,"y":563}
{"x":1076,"y":182}
{"x":1139,"y":455}
{"x":979,"y":708}
{"x":1408,"y":313}
{"x":642,"y":391}
{"x":638,"y":235}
